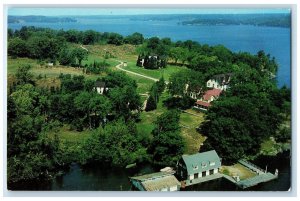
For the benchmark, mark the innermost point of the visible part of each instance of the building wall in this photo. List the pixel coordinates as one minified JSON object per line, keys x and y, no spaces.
{"x":138,"y":185}
{"x":174,"y":188}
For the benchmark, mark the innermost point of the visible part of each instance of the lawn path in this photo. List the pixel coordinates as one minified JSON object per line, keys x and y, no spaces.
{"x":119,"y":66}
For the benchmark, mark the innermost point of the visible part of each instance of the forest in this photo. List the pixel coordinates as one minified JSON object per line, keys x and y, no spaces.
{"x":249,"y":112}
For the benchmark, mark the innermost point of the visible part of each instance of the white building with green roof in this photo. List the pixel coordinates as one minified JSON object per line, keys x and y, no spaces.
{"x":193,"y":167}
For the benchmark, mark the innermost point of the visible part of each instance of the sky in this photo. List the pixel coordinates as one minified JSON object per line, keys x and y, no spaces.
{"x":134,"y":11}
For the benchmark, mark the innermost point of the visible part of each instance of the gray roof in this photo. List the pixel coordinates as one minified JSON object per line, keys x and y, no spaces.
{"x":100,"y":84}
{"x":225,"y":77}
{"x":160,"y":183}
{"x":201,"y":162}
{"x":151,"y":176}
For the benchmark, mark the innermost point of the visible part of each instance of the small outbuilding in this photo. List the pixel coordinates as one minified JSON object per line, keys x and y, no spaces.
{"x":158,"y":181}
{"x":100,"y":87}
{"x":193,"y":167}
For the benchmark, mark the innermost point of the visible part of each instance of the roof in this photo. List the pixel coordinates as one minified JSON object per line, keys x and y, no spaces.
{"x":151,"y":176}
{"x":99,"y":84}
{"x":205,"y":104}
{"x":212,"y":92}
{"x":223,"y":76}
{"x":160,"y":183}
{"x":201,"y":161}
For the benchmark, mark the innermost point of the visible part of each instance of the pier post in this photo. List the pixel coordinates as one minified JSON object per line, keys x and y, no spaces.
{"x":276,"y":172}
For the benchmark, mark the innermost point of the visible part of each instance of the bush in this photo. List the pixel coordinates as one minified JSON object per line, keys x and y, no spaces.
{"x":183,"y":103}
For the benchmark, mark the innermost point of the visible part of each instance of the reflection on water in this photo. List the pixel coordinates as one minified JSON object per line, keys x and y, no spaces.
{"x":100,"y":177}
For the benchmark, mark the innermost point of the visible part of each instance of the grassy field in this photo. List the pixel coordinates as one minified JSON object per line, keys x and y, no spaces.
{"x":158,"y":73}
{"x":189,"y":122}
{"x":37,"y":69}
{"x":146,"y":125}
{"x":71,"y":136}
{"x":124,"y":52}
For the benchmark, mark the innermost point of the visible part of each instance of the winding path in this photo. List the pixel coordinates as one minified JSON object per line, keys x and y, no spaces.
{"x":119,"y":66}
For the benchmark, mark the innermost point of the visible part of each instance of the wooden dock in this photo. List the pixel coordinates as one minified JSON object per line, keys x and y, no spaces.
{"x":251,"y":166}
{"x":253,"y":181}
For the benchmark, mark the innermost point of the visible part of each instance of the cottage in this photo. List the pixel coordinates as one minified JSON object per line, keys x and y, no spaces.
{"x":209,"y":96}
{"x":192,"y":167}
{"x":159,"y":181}
{"x":100,"y":87}
{"x":220,"y":81}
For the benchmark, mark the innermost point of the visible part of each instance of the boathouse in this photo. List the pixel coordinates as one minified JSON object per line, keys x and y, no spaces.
{"x":159,"y":181}
{"x":191,"y":168}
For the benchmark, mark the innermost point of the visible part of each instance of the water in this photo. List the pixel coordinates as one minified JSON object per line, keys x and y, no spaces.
{"x":273,"y":40}
{"x":99,"y":177}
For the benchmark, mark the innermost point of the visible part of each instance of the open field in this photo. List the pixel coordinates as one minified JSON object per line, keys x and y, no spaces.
{"x":146,"y":125}
{"x":37,"y":69}
{"x":157,"y":73}
{"x":124,"y":52}
{"x":71,"y":136}
{"x":189,"y":123}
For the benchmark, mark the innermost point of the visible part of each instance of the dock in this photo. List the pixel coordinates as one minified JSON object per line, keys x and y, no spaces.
{"x":252,"y":167}
{"x":253,"y":181}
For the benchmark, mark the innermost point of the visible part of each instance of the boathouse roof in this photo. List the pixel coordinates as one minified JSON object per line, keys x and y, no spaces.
{"x":201,"y":162}
{"x":157,"y":181}
{"x":161,"y":183}
{"x":151,"y":176}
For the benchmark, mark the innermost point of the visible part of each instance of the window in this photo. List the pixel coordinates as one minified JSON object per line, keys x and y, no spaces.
{"x":212,"y":163}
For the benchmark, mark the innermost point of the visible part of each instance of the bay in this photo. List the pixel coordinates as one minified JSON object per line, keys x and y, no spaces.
{"x":275,"y":41}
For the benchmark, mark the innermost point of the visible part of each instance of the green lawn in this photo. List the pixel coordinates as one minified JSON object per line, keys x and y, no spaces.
{"x":70,"y":136}
{"x":189,"y":123}
{"x":52,"y":72}
{"x":144,"y":84}
{"x":157,"y":73}
{"x":14,"y":64}
{"x":146,"y":124}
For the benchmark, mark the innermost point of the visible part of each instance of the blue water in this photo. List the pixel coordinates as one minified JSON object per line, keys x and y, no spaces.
{"x":273,"y":40}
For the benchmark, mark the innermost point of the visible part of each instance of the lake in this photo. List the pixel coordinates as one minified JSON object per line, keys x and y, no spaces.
{"x":275,"y":41}
{"x":98,"y":177}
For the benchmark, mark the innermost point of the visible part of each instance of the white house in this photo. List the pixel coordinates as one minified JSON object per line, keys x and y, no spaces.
{"x":220,"y":81}
{"x":193,"y":167}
